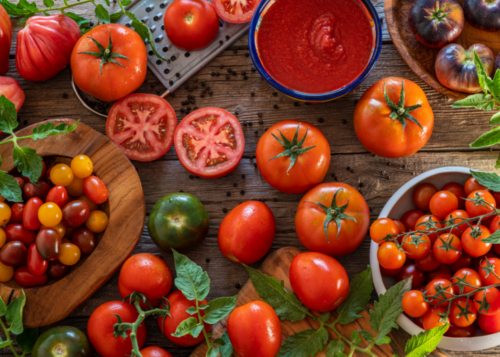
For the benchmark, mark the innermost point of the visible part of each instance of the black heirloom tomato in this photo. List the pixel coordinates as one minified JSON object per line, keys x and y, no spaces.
{"x":436,"y":23}
{"x":178,"y":221}
{"x":62,"y":341}
{"x":48,"y":244}
{"x":483,"y":14}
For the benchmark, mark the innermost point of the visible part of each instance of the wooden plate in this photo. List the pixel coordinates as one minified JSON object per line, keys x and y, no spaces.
{"x":420,"y":58}
{"x":126,"y":208}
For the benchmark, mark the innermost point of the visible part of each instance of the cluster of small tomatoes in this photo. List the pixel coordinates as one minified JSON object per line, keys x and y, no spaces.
{"x":34,"y":234}
{"x":438,"y":261}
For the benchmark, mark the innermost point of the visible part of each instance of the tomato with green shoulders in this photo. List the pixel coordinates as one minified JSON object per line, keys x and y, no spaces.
{"x":62,"y":341}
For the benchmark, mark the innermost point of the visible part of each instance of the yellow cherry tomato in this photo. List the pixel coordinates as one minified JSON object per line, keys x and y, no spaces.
{"x":97,"y":221}
{"x":6,"y":273}
{"x":93,"y":206}
{"x":69,"y":254}
{"x":82,"y":166}
{"x":61,"y":175}
{"x":60,"y":228}
{"x":49,"y":214}
{"x":75,"y":188}
{"x":3,"y":237}
{"x":5,"y":213}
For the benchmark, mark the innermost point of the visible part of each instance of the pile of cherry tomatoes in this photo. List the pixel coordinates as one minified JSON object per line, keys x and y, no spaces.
{"x":48,"y":233}
{"x":438,"y":260}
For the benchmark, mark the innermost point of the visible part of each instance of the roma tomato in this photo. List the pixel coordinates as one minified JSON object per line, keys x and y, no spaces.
{"x":381,"y":228}
{"x":84,"y":239}
{"x":75,"y":213}
{"x":390,"y":256}
{"x":254,"y":330}
{"x":306,"y":160}
{"x":142,"y":126}
{"x":209,"y":142}
{"x":443,"y":203}
{"x":95,"y":190}
{"x":147,"y":274}
{"x":462,"y":312}
{"x":153,"y":351}
{"x":100,"y":329}
{"x":472,"y":185}
{"x":492,"y":297}
{"x":13,"y":254}
{"x":178,"y":306}
{"x":422,"y":195}
{"x":23,"y":277}
{"x":319,"y":281}
{"x":475,"y":246}
{"x":478,"y":209}
{"x":447,"y":248}
{"x":36,"y":264}
{"x":341,"y":227}
{"x":414,"y":303}
{"x":17,"y":213}
{"x":44,"y":46}
{"x":247,"y":232}
{"x":458,"y":190}
{"x":16,"y":231}
{"x":410,"y":218}
{"x":442,"y":284}
{"x":58,"y":195}
{"x":489,"y":323}
{"x":388,"y":137}
{"x":9,"y":86}
{"x":106,"y":80}
{"x":5,"y":40}
{"x":191,"y":24}
{"x":487,"y":268}
{"x":30,"y":214}
{"x":48,"y":243}
{"x":236,"y":11}
{"x":434,"y":318}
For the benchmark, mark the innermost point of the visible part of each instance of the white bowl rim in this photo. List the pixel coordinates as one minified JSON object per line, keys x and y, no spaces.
{"x":449,"y":343}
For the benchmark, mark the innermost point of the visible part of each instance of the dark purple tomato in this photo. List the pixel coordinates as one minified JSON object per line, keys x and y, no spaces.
{"x":85,"y":240}
{"x":23,"y":277}
{"x":17,"y":213}
{"x":75,"y":213}
{"x":40,"y":190}
{"x":36,"y":264}
{"x":483,"y":14}
{"x":436,"y":23}
{"x":21,"y":182}
{"x":455,"y":67}
{"x":58,"y":195}
{"x":417,"y":274}
{"x":16,"y":231}
{"x":48,"y":243}
{"x":57,"y":270}
{"x":30,"y":214}
{"x":14,"y":254}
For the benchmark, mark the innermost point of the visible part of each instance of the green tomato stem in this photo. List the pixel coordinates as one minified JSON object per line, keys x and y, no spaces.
{"x":200,"y":319}
{"x":7,"y":335}
{"x":332,"y":326}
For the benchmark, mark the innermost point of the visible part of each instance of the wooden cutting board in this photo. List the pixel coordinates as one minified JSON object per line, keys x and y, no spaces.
{"x":277,"y":265}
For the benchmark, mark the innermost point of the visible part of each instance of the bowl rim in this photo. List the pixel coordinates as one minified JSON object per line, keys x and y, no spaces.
{"x":449,"y":343}
{"x":255,"y":22}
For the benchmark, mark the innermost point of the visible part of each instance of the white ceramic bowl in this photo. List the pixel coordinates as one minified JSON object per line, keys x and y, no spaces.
{"x":397,"y":205}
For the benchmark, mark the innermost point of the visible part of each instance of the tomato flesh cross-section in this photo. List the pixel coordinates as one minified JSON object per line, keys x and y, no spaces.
{"x":236,"y":11}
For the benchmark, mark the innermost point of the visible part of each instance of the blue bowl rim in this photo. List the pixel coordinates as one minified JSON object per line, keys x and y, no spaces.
{"x":307,"y":96}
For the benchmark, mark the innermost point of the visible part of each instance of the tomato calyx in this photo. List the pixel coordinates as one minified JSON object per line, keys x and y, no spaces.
{"x":399,"y":111}
{"x":414,"y":239}
{"x":465,"y":311}
{"x":489,"y":268}
{"x":438,"y":14}
{"x":447,"y":245}
{"x":334,"y":213}
{"x":292,"y":148}
{"x":106,"y":54}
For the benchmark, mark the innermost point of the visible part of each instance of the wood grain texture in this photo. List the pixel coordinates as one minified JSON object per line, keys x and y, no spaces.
{"x":126,"y":209}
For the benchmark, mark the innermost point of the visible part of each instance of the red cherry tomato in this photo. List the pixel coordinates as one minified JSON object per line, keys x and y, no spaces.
{"x":100,"y":329}
{"x":488,"y":268}
{"x":431,"y":291}
{"x":9,"y":86}
{"x":390,"y":256}
{"x":410,"y":218}
{"x":37,"y":266}
{"x":21,"y":182}
{"x":40,"y":190}
{"x":153,"y":351}
{"x":16,"y":231}
{"x":433,"y":318}
{"x":387,"y":272}
{"x":447,"y":248}
{"x":472,"y":185}
{"x":456,"y":217}
{"x":319,"y":281}
{"x":465,"y":261}
{"x":414,"y":303}
{"x":254,"y":330}
{"x":489,"y":323}
{"x":428,"y":263}
{"x":57,"y":270}
{"x":458,"y":190}
{"x":422,"y":195}
{"x":13,"y":254}
{"x":443,"y":203}
{"x":461,"y":332}
{"x":492,"y":298}
{"x":30,"y":214}
{"x":58,"y":195}
{"x":418,"y":276}
{"x":462,"y":306}
{"x":236,"y":11}
{"x":48,"y":243}
{"x":401,"y":226}
{"x":475,"y":247}
{"x":247,"y":232}
{"x":23,"y":277}
{"x":17,"y":210}
{"x":474,"y":209}
{"x":381,"y":228}
{"x":441,"y":272}
{"x":75,"y":213}
{"x":95,"y":189}
{"x":430,"y":223}
{"x":416,"y":246}
{"x":495,"y":224}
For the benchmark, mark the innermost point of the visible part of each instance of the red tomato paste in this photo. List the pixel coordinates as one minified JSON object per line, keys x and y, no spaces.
{"x":315,"y":46}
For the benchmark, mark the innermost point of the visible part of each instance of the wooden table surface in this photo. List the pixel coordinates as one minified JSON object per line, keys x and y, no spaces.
{"x":375,"y":177}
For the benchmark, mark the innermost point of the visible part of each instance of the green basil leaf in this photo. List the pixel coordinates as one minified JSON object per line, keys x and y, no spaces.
{"x":102,"y":14}
{"x":383,"y":317}
{"x":189,"y":326}
{"x":489,"y":138}
{"x":227,"y":349}
{"x":48,"y":3}
{"x":490,"y":180}
{"x":191,"y":279}
{"x":425,"y":342}
{"x":49,"y":129}
{"x":145,"y":33}
{"x":218,"y":309}
{"x":335,"y":349}
{"x":478,"y":101}
{"x":304,"y":343}
{"x":8,"y":116}
{"x":285,"y":303}
{"x":10,"y":189}
{"x":28,"y":162}
{"x":27,"y":339}
{"x":14,"y":315}
{"x":114,"y":17}
{"x":360,"y":291}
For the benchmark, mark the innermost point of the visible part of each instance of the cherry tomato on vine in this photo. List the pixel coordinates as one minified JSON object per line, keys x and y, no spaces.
{"x":433,"y":317}
{"x":447,"y":248}
{"x":82,"y":166}
{"x":410,"y":218}
{"x":495,"y":224}
{"x":401,"y":226}
{"x":489,"y":323}
{"x":36,"y":264}
{"x":428,"y":263}
{"x":5,"y":213}
{"x":475,"y":247}
{"x":429,"y":223}
{"x":61,"y":175}
{"x":422,"y":195}
{"x":69,"y":254}
{"x":476,"y":209}
{"x":23,"y":277}
{"x":418,"y":276}
{"x":390,"y":256}
{"x":488,"y":268}
{"x":414,"y":303}
{"x":476,"y":262}
{"x":97,"y":221}
{"x":381,"y":228}
{"x":461,"y":332}
{"x":416,"y":246}
{"x":95,"y":189}
{"x":456,"y":217}
{"x":458,"y":190}
{"x":443,"y":203}
{"x":492,"y":298}
{"x":472,"y":185}
{"x":432,"y":288}
{"x":462,"y":312}
{"x":30,"y":214}
{"x":441,"y":272}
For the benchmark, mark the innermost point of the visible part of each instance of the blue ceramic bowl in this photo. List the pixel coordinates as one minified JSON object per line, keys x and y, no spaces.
{"x":307,"y":97}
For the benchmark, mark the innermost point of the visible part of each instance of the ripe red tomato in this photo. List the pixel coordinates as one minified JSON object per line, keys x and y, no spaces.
{"x":23,"y":277}
{"x":30,"y":214}
{"x":40,"y":190}
{"x":95,"y":189}
{"x":458,"y":216}
{"x":492,"y":298}
{"x":142,"y":126}
{"x":9,"y":86}
{"x":178,"y":306}
{"x":428,"y":263}
{"x":401,"y":226}
{"x":84,"y":239}
{"x":75,"y":213}
{"x":410,"y":218}
{"x":472,"y":185}
{"x":475,"y":247}
{"x":465,"y":261}
{"x":422,"y":195}
{"x":460,"y":332}
{"x":390,"y":256}
{"x":16,"y":231}
{"x":58,"y":195}
{"x":495,"y":224}
{"x":13,"y":254}
{"x":311,"y":157}
{"x":414,"y":303}
{"x":36,"y":264}
{"x":478,"y":210}
{"x":416,"y":246}
{"x":433,"y":318}
{"x":247,"y":232}
{"x":191,"y":24}
{"x":5,"y":40}
{"x":44,"y":46}
{"x":319,"y":281}
{"x":431,"y":291}
{"x":443,"y":203}
{"x":462,"y":306}
{"x":429,"y":223}
{"x":489,"y":323}
{"x":147,"y":274}
{"x":447,"y":248}
{"x":236,"y":11}
{"x":153,"y":351}
{"x":209,"y":142}
{"x":418,"y":276}
{"x":100,"y":329}
{"x":458,"y":190}
{"x":254,"y":330}
{"x":16,"y":215}
{"x":114,"y":81}
{"x":487,"y":277}
{"x":381,"y":228}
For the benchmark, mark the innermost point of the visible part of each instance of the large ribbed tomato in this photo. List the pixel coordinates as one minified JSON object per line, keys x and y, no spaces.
{"x":5,"y":40}
{"x":11,"y":89}
{"x":44,"y":46}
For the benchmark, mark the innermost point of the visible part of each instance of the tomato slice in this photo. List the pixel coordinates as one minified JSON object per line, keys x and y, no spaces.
{"x":236,"y":11}
{"x":142,"y":126}
{"x":209,"y":142}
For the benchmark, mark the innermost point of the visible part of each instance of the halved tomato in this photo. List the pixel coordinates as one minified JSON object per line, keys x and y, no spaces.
{"x":209,"y":142}
{"x":236,"y":11}
{"x":142,"y":126}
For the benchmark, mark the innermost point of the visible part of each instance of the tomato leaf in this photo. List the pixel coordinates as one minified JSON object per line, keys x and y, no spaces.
{"x":126,"y":2}
{"x":102,"y":14}
{"x":227,"y":349}
{"x":485,"y":81}
{"x":494,"y":238}
{"x":28,"y":162}
{"x":425,"y":342}
{"x":360,"y":291}
{"x":48,"y":3}
{"x":8,"y":116}
{"x":114,"y":17}
{"x":191,"y":279}
{"x":28,"y":6}
{"x":324,"y":317}
{"x":189,"y":326}
{"x":489,"y":179}
{"x":478,"y":101}
{"x":218,"y":309}
{"x":107,"y":2}
{"x":13,"y":9}
{"x":50,"y":129}
{"x":355,"y":337}
{"x":14,"y":315}
{"x":82,"y":22}
{"x":388,"y":308}
{"x":212,"y":351}
{"x":335,"y":349}
{"x":27,"y":339}
{"x":145,"y":33}
{"x":285,"y":303}
{"x":10,"y":189}
{"x":489,"y":138}
{"x":4,"y":344}
{"x":304,"y":343}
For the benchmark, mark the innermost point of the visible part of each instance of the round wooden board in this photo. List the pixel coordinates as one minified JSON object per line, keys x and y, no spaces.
{"x":127,"y":210}
{"x":421,"y":58}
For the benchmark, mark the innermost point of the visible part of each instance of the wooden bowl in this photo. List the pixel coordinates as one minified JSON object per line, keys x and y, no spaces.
{"x":126,"y":209}
{"x":421,"y":58}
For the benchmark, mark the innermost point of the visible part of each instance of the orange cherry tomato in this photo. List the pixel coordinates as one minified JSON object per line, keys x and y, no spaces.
{"x":383,"y":227}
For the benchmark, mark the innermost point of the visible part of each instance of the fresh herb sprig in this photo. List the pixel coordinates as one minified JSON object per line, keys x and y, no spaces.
{"x":27,"y":161}
{"x":23,"y":10}
{"x":382,"y":319}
